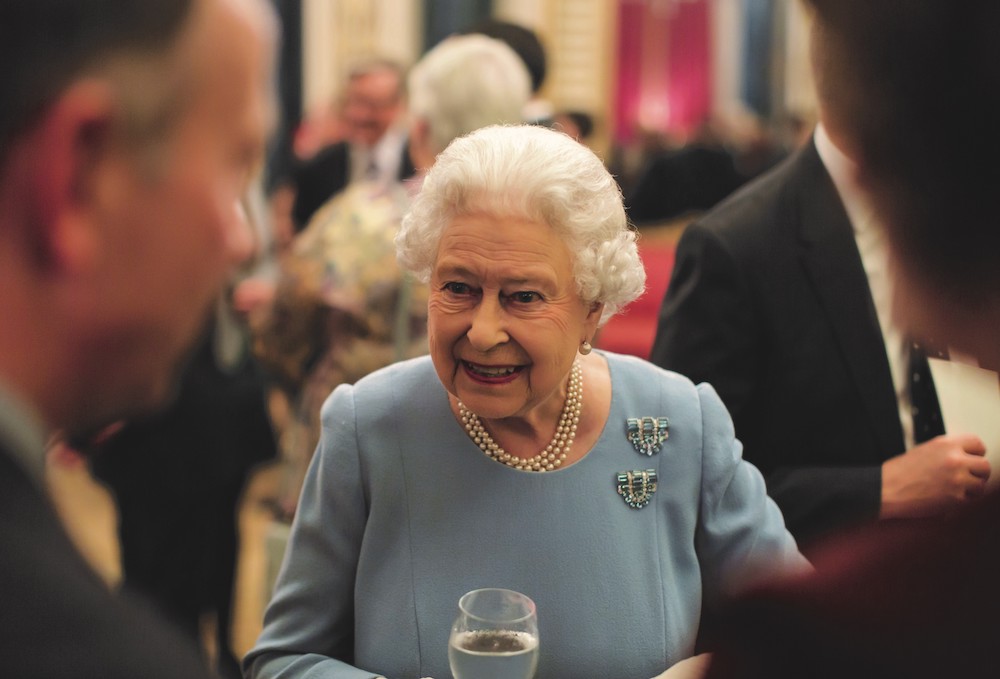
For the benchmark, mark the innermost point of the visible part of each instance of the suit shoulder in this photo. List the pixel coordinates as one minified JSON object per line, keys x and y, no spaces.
{"x":335,"y":152}
{"x":332,"y":159}
{"x":761,"y":205}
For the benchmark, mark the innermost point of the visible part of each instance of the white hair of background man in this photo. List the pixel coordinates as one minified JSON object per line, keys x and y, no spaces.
{"x":464,"y":83}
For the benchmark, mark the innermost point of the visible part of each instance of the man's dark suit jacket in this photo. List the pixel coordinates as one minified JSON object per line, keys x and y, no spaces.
{"x":58,"y":620}
{"x":769,"y":302}
{"x":316,"y":180}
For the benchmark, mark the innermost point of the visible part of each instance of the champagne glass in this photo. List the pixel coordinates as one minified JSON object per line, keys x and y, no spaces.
{"x":495,"y":636}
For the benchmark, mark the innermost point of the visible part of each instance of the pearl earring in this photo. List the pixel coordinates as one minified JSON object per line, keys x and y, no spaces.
{"x":585,"y":347}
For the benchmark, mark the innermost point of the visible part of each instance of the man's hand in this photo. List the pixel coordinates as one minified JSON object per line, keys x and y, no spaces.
{"x":934,"y":476}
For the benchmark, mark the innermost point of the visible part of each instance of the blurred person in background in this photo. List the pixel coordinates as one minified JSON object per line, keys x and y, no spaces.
{"x":374,"y":143}
{"x":128,"y":133}
{"x":528,"y":46}
{"x":343,"y":308}
{"x":577,"y":124}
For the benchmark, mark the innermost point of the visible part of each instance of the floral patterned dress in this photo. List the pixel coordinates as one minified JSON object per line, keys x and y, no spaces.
{"x":342,"y":309}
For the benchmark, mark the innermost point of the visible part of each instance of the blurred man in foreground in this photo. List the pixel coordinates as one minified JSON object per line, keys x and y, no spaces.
{"x":919,"y":84}
{"x":128,"y":131}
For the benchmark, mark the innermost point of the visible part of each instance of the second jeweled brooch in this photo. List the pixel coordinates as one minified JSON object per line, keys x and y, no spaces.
{"x":637,"y":487}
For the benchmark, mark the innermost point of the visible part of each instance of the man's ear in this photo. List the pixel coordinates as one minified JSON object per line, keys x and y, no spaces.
{"x":419,"y":144}
{"x":62,"y":157}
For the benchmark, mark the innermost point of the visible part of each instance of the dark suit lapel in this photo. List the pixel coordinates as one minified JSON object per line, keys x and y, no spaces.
{"x":29,"y":511}
{"x":830,"y":257}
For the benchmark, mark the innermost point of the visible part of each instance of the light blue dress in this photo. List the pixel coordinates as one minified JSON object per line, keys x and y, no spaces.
{"x":401,"y":514}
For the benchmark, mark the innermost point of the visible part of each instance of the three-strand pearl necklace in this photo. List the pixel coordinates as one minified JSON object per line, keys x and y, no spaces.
{"x":555,"y":453}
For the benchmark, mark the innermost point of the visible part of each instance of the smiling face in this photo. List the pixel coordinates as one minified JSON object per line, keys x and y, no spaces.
{"x":505,"y":320}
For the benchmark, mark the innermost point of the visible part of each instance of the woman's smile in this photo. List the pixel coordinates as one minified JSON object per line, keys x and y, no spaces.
{"x":491,"y":374}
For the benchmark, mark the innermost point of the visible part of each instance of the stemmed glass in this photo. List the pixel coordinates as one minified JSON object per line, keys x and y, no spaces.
{"x":495,"y":636}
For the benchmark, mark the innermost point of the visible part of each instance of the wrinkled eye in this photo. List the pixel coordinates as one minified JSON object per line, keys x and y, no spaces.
{"x":456,"y":288}
{"x":525,"y":297}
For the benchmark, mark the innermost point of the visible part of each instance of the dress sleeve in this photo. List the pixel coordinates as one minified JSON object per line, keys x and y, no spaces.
{"x":309,"y":623}
{"x":741,"y":537}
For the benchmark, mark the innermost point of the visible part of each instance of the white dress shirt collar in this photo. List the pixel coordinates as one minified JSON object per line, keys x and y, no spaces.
{"x":843,"y":172}
{"x":874,"y":253}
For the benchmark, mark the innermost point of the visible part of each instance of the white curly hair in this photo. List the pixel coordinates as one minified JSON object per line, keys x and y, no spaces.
{"x":531,"y":172}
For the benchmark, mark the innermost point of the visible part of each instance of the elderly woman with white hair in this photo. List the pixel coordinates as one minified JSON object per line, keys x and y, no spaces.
{"x":611,"y":492}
